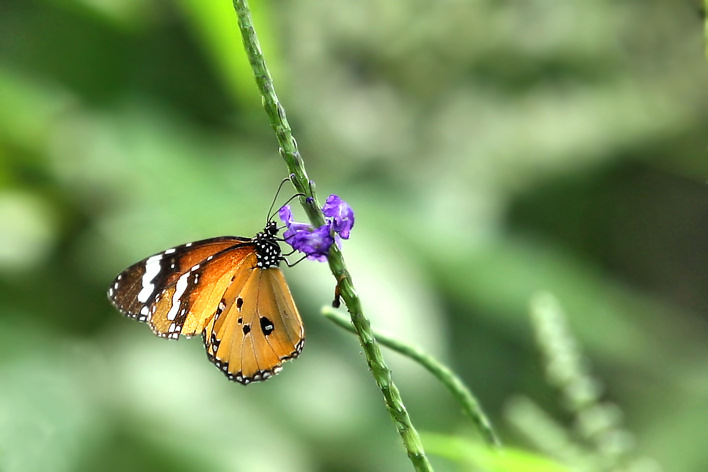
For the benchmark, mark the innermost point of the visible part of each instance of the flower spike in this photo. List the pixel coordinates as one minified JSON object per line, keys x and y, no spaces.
{"x":315,"y":242}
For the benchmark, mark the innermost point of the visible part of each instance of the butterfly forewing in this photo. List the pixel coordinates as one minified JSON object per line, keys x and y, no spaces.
{"x":135,"y":289}
{"x":187,"y":305}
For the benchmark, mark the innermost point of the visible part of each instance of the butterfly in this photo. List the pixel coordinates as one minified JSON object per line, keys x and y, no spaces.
{"x":229,"y":289}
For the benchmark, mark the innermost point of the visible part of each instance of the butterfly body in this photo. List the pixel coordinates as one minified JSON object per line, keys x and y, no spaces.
{"x":229,"y":289}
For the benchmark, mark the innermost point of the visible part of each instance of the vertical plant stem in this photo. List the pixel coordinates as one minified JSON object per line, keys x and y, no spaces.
{"x":705,"y":27}
{"x":345,"y":287}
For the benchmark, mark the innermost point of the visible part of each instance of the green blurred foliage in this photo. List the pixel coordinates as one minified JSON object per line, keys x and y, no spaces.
{"x":490,"y":149}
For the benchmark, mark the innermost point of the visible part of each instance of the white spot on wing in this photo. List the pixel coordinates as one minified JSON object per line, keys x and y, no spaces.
{"x":152,"y":268}
{"x":179,"y":291}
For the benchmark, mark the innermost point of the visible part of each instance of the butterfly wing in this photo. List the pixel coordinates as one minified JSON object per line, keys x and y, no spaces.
{"x":257,"y":328}
{"x":215,"y":287}
{"x":188,"y":304}
{"x":135,"y":290}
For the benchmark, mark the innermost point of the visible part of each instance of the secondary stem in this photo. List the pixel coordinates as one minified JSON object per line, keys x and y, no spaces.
{"x":445,"y":375}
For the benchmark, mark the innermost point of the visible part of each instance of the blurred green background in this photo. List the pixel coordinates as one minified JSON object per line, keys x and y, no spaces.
{"x":490,"y":149}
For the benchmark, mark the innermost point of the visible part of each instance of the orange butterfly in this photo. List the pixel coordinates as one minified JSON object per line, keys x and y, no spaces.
{"x":230,"y":290}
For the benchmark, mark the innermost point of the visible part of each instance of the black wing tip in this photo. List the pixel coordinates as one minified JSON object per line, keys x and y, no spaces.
{"x":140,"y":316}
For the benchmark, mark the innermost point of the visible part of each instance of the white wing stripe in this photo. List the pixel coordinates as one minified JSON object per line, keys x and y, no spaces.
{"x":182,"y":283}
{"x":152,"y":268}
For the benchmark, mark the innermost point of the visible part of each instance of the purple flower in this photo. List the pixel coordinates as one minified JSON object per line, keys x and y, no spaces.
{"x":302,"y":237}
{"x":286,"y":214}
{"x":315,"y":242}
{"x":341,"y":213}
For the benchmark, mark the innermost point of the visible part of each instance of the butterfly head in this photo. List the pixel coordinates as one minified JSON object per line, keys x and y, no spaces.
{"x":271,"y":228}
{"x":267,"y":249}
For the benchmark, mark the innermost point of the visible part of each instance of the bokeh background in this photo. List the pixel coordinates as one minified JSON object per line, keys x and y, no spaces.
{"x":490,"y":149}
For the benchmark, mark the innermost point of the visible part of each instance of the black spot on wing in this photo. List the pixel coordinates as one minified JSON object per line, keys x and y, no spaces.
{"x":266,"y":326}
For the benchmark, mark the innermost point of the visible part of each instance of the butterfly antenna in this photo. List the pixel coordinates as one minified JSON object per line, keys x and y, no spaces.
{"x":275,"y":198}
{"x":271,"y":214}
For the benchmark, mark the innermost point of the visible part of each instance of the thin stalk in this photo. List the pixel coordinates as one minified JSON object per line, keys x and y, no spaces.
{"x":298,"y":175}
{"x":453,"y":383}
{"x":705,"y":27}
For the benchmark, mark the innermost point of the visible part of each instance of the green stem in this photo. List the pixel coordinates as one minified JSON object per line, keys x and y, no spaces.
{"x":705,"y":27}
{"x":298,"y":175}
{"x":453,"y":383}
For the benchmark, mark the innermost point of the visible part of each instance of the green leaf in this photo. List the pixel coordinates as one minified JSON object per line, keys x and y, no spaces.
{"x":480,"y":457}
{"x":214,"y":24}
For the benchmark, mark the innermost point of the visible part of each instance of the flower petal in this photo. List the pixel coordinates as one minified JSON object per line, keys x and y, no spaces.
{"x":341,"y":213}
{"x":315,"y":243}
{"x":286,"y":215}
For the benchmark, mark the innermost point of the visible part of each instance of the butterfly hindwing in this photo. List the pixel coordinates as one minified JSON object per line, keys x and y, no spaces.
{"x":258,"y":330}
